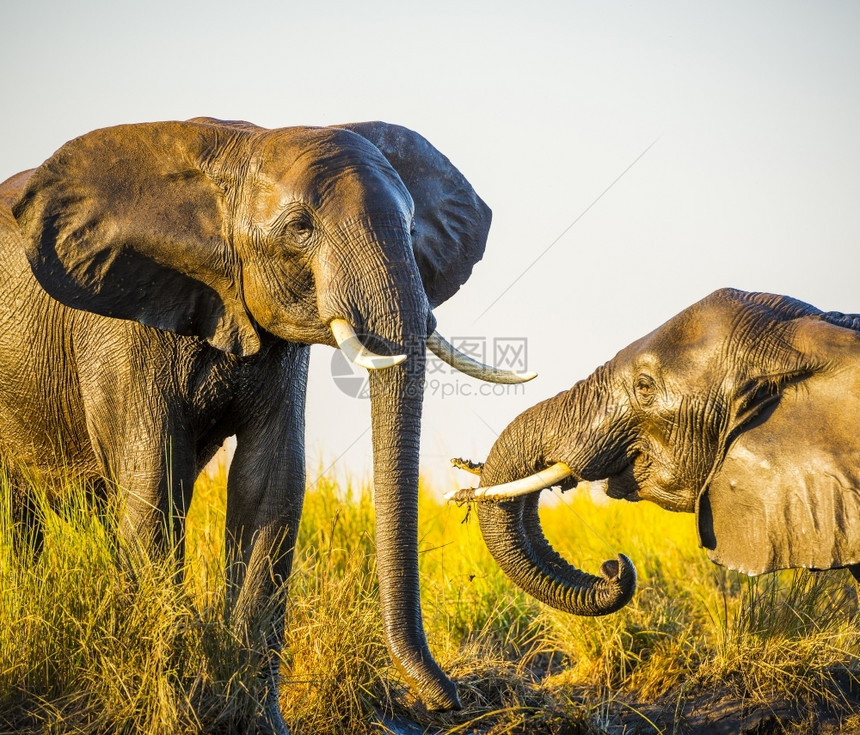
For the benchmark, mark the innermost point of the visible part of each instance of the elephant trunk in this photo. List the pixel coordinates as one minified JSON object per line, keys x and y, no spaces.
{"x":512,"y":529}
{"x":396,"y":397}
{"x":398,"y":323}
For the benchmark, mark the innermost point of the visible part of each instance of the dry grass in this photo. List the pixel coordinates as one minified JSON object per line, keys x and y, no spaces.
{"x":97,"y":639}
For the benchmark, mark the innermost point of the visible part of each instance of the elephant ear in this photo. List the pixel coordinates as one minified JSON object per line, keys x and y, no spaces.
{"x":125,"y":222}
{"x":787,"y":493}
{"x":451,"y":220}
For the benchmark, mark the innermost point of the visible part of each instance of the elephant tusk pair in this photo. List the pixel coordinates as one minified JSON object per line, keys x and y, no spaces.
{"x":356,"y":352}
{"x":531,"y":484}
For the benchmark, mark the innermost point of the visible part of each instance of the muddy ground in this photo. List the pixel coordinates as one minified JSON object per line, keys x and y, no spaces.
{"x":715,"y":712}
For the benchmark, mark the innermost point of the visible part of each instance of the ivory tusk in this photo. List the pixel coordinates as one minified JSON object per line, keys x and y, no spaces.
{"x":531,"y":484}
{"x":444,"y":350}
{"x":356,"y":352}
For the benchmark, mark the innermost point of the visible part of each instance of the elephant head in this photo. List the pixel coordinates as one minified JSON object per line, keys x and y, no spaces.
{"x":237,"y":234}
{"x":744,"y":408}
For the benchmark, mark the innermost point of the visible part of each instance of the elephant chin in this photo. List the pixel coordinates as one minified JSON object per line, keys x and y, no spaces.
{"x":513,"y":534}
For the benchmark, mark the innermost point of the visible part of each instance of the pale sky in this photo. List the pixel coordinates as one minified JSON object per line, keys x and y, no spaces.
{"x":752,"y":180}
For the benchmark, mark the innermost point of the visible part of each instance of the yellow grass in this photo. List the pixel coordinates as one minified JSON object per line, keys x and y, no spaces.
{"x":97,"y":639}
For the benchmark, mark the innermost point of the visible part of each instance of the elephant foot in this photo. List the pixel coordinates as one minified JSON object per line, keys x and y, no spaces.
{"x":270,"y":721}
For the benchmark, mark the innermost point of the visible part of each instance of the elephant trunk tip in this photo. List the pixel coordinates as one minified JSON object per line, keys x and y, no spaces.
{"x":622,"y":574}
{"x":436,"y":691}
{"x":446,"y":701}
{"x":610,"y":568}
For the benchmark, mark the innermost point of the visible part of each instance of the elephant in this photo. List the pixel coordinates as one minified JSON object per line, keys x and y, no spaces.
{"x":164,"y":284}
{"x":744,"y":409}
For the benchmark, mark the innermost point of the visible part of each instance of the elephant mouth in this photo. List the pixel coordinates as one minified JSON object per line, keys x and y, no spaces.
{"x":624,"y":485}
{"x":635,"y":475}
{"x":641,"y":480}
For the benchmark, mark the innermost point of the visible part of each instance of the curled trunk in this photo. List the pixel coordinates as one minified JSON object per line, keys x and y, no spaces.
{"x":512,"y":529}
{"x":513,"y":534}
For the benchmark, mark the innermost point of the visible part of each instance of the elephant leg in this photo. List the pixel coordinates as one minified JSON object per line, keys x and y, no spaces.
{"x":151,"y":462}
{"x":156,"y":484}
{"x":265,"y":493}
{"x":137,"y":389}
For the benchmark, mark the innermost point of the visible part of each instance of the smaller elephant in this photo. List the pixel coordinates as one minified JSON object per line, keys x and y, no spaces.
{"x":744,"y":408}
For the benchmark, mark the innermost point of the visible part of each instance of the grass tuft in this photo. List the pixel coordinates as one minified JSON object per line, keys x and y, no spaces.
{"x":792,"y":635}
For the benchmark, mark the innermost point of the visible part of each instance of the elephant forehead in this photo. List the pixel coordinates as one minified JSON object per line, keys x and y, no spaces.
{"x":334,"y":201}
{"x":338,"y":185}
{"x":690,"y":340}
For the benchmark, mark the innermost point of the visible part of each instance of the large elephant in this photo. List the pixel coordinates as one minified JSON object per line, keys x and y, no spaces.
{"x":181,"y":271}
{"x":744,"y":408}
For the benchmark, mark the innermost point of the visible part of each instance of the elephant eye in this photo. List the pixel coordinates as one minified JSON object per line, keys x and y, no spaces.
{"x":646,"y":389}
{"x":299,"y":229}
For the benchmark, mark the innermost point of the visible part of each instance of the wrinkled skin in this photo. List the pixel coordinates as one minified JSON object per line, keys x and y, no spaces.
{"x":744,"y":408}
{"x":181,"y":271}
